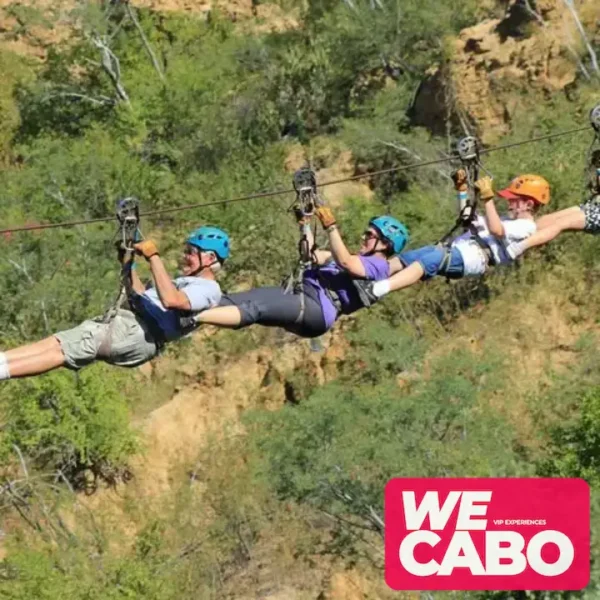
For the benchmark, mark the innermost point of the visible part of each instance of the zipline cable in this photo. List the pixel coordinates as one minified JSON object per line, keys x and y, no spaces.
{"x":259,"y":195}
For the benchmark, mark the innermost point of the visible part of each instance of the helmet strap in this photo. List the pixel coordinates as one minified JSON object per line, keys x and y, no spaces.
{"x":375,"y":251}
{"x":203,"y":267}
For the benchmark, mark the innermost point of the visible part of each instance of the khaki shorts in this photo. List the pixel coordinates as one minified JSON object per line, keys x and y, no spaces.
{"x":129,"y":343}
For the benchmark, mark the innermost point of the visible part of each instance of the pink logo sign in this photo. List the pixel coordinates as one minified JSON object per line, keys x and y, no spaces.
{"x":487,"y":534}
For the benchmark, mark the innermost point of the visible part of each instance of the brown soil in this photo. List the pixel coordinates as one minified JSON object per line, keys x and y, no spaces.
{"x":208,"y":408}
{"x":35,"y":40}
{"x":500,"y":65}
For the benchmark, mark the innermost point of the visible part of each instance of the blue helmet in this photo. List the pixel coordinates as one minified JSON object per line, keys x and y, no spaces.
{"x":392,"y":231}
{"x":211,"y":239}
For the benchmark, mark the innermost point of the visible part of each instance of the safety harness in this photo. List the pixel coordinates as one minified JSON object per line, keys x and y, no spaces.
{"x":304,"y":206}
{"x":128,"y":217}
{"x":128,"y":233}
{"x":467,"y":150}
{"x":306,"y":202}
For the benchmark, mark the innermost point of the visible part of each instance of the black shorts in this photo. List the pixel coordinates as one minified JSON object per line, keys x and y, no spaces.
{"x":299,"y":312}
{"x":591,"y":211}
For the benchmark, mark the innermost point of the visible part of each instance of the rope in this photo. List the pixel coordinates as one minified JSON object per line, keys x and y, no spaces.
{"x":270,"y":194}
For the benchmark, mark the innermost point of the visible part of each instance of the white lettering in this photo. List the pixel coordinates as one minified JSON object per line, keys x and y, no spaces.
{"x":430,"y":506}
{"x":513,"y":552}
{"x":499,"y":545}
{"x":407,"y":553}
{"x":469,"y":509}
{"x":565,"y":548}
{"x":461,"y":552}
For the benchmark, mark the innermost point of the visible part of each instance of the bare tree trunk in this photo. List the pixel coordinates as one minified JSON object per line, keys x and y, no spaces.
{"x":569,"y":46}
{"x":112,"y":67}
{"x":154,"y":60}
{"x":571,"y":6}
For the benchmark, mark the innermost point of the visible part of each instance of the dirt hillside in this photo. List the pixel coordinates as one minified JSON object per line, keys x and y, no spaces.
{"x":31,"y":27}
{"x":499,"y":66}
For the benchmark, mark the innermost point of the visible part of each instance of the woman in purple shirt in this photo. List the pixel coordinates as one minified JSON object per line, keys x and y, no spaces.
{"x":328,"y":290}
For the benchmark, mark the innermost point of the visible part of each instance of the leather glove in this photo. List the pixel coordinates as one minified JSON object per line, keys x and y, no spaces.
{"x":486,"y":191}
{"x":147,"y":249}
{"x":326,"y":217}
{"x":459,"y":177}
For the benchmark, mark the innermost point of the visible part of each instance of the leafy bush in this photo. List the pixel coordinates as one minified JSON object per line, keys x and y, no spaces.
{"x":71,"y":424}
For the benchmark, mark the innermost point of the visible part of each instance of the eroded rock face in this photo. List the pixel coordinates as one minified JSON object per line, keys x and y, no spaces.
{"x":30,"y":27}
{"x":524,"y":51}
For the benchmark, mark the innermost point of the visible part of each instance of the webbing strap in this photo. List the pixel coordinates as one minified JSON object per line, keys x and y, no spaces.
{"x":307,"y":200}
{"x":300,"y":317}
{"x":468,"y":152}
{"x":128,"y":217}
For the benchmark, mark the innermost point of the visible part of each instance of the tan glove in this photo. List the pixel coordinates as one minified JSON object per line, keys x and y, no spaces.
{"x":486,"y":191}
{"x":459,"y":177}
{"x":147,"y":249}
{"x":326,"y":217}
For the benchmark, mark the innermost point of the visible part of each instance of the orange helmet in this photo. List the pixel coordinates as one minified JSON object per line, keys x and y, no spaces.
{"x":531,"y":186}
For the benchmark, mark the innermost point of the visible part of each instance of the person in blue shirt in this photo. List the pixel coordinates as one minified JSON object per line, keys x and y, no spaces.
{"x":133,"y":337}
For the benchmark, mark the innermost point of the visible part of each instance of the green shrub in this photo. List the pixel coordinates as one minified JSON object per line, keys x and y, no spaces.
{"x":67,"y":423}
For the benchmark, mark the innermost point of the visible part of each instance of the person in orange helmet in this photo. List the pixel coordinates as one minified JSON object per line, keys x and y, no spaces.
{"x":584,"y":217}
{"x":484,"y":245}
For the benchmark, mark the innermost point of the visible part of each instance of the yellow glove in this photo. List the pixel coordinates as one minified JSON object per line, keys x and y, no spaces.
{"x":459,"y":177}
{"x":486,"y":191}
{"x":147,"y":249}
{"x":325,"y":216}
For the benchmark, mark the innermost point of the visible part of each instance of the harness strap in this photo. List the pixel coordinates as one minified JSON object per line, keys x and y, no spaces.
{"x":446,"y":260}
{"x":300,"y":317}
{"x":468,"y":152}
{"x":155,"y":331}
{"x":487,"y":250}
{"x":128,"y":216}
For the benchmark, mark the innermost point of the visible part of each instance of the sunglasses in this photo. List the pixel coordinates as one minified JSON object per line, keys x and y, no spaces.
{"x":369,"y":235}
{"x":189,"y":250}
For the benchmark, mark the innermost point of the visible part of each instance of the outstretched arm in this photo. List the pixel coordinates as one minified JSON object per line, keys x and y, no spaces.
{"x":571,"y":219}
{"x":169,"y":295}
{"x":486,"y":193}
{"x":351,"y":263}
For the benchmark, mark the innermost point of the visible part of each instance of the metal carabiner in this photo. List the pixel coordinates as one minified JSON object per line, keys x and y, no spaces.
{"x":467,"y":150}
{"x":305,"y":184}
{"x":128,"y":216}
